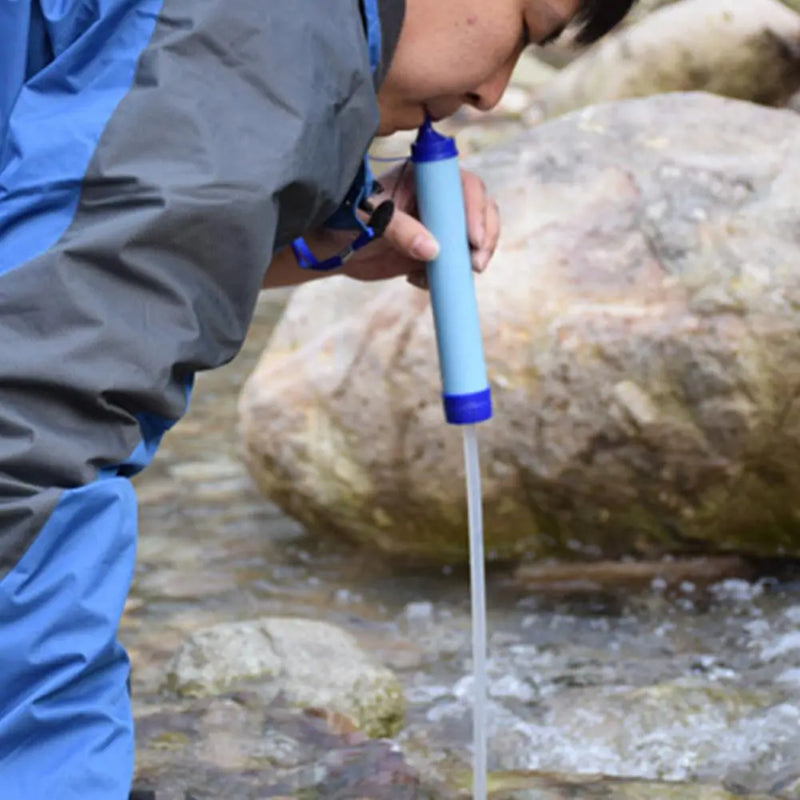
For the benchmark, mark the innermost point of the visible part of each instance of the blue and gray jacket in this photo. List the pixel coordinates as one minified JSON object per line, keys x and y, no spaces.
{"x":154,"y":154}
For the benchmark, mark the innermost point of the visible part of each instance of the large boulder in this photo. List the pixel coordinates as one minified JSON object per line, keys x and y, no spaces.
{"x":641,"y":327}
{"x":746,"y":50}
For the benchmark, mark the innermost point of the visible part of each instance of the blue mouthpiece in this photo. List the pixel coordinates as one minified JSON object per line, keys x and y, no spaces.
{"x":432,"y":146}
{"x":465,"y":386}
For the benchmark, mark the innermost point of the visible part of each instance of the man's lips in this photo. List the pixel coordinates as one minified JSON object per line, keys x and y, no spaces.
{"x":443,"y":109}
{"x":435,"y":117}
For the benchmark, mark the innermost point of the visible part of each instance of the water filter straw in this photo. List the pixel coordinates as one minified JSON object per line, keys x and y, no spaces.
{"x":466,"y":394}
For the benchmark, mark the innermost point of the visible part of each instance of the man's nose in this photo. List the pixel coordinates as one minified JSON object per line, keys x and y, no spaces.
{"x":486,"y":96}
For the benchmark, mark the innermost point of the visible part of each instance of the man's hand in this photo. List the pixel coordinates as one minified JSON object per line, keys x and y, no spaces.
{"x":407,"y":246}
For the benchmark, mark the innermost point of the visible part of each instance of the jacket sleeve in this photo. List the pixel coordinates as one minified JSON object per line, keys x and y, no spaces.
{"x":143,"y":192}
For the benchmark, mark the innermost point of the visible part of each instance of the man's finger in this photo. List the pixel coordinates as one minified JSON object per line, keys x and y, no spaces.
{"x":411,"y":238}
{"x":493,"y":227}
{"x":481,"y":258}
{"x":475,"y":204}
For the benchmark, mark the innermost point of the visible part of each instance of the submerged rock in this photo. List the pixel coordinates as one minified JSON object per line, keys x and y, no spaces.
{"x":749,"y":51}
{"x":628,"y":576}
{"x":541,"y":786}
{"x":234,"y":747}
{"x":641,"y":329}
{"x":311,"y":664}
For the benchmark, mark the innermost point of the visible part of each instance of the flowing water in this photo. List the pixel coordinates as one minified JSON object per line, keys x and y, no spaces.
{"x":695,"y":678}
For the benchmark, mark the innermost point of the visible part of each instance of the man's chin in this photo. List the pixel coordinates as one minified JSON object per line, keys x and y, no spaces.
{"x":407,"y":120}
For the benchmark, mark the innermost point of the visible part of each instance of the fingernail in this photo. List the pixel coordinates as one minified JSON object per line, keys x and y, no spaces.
{"x":425,"y":248}
{"x":480,"y":260}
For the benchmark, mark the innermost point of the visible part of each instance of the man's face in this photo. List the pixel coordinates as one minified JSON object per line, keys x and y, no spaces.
{"x":453,"y":52}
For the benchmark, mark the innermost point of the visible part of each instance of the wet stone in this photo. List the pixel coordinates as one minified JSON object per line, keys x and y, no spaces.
{"x":542,"y":786}
{"x":309,"y":663}
{"x":228,"y":747}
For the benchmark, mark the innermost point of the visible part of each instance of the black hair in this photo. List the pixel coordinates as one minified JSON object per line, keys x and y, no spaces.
{"x":597,"y":17}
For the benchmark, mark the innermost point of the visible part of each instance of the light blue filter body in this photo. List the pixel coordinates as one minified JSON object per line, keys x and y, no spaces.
{"x":466,"y":394}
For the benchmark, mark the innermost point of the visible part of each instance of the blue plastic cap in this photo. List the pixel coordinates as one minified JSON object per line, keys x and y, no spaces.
{"x":432,"y":146}
{"x":466,"y":409}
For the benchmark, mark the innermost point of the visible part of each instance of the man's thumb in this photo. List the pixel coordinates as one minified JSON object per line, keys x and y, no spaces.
{"x":410,"y":237}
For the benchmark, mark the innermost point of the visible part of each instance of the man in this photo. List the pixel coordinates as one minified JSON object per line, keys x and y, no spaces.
{"x":157,"y":158}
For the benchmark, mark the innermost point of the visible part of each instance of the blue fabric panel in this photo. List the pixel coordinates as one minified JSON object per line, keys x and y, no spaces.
{"x":66,"y":730}
{"x":374,"y":34}
{"x":54,"y":124}
{"x":40,"y":49}
{"x":15,"y":19}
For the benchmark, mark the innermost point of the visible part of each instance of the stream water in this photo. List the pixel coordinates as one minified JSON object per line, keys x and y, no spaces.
{"x":678,"y":682}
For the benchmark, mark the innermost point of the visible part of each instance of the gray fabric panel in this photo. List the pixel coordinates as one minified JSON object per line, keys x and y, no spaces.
{"x":246,"y":122}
